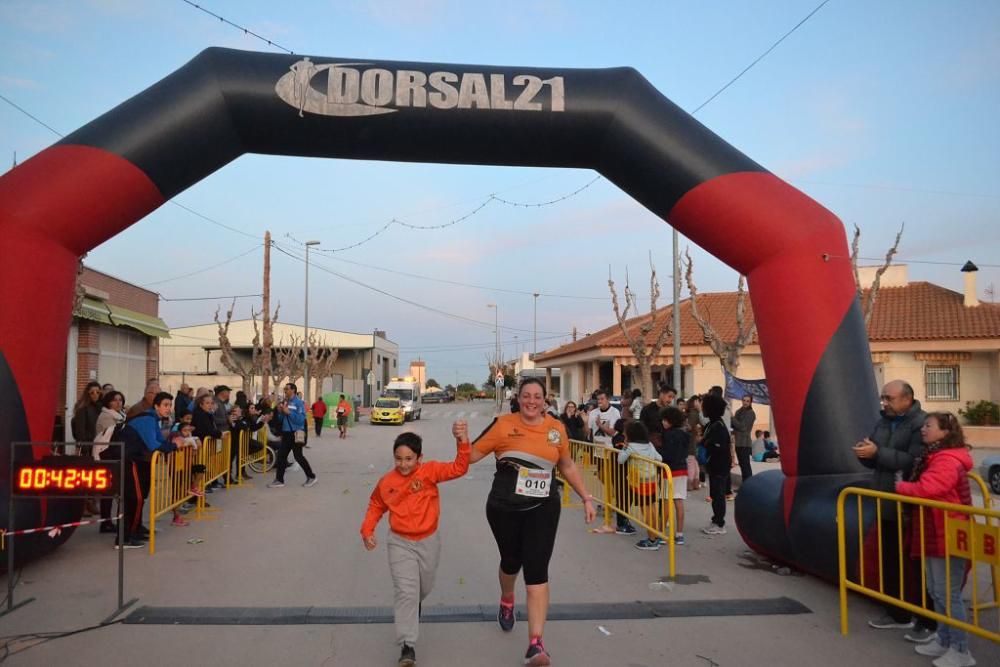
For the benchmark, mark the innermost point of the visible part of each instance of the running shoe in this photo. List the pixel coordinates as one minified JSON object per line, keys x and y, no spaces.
{"x":627,"y":529}
{"x":180,"y":522}
{"x":408,"y":657}
{"x":887,"y":622}
{"x":714,"y":530}
{"x":679,"y":540}
{"x":955,"y":658}
{"x":921,"y":635}
{"x":932,"y":649}
{"x":131,"y":544}
{"x":276,"y":485}
{"x":506,"y":617}
{"x":310,"y":482}
{"x":537,"y":656}
{"x":648,"y":545}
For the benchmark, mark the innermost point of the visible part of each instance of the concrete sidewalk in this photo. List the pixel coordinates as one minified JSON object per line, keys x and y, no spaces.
{"x":301,"y":547}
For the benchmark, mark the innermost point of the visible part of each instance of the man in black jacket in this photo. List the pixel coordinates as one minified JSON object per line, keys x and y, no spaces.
{"x":890,"y":451}
{"x":650,"y":414}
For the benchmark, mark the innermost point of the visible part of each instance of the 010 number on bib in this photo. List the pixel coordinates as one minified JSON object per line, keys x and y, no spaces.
{"x":533,"y":483}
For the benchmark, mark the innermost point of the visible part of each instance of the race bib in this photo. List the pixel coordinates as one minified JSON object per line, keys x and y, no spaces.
{"x":533,"y":483}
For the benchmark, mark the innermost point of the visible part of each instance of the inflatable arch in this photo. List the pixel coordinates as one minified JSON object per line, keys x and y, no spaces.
{"x":110,"y":173}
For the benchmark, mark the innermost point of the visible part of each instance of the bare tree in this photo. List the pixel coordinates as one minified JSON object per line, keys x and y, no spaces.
{"x":644,"y":352}
{"x":288,"y":361}
{"x":728,"y":351}
{"x":322,"y":360}
{"x":246,"y":369}
{"x":868,"y":305}
{"x":267,"y":363}
{"x":78,"y":291}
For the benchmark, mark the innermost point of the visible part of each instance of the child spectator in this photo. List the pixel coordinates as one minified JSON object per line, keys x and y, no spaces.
{"x":718,"y":445}
{"x":620,"y":482}
{"x":642,"y":478}
{"x":409,"y":493}
{"x":757,"y":446}
{"x":182,"y":436}
{"x":674,"y":450}
{"x":771,"y":452}
{"x":940,"y":474}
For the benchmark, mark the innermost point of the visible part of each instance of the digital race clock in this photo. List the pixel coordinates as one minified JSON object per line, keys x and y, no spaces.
{"x":66,"y":476}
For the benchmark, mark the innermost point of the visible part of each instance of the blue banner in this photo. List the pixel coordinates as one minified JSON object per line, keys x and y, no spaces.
{"x":738,"y":388}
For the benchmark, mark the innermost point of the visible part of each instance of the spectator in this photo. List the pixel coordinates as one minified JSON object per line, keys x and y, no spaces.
{"x":894,"y":444}
{"x":743,"y":422}
{"x":319,"y":414}
{"x":110,"y":418}
{"x":636,"y":405}
{"x":718,"y":444}
{"x":242,"y":402}
{"x":693,"y":412}
{"x":650,"y":414}
{"x":674,"y":450}
{"x":221,"y":414}
{"x":701,"y":457}
{"x":183,"y":401}
{"x":727,"y":420}
{"x":242,"y":427}
{"x":602,"y":420}
{"x":292,"y":417}
{"x":573,"y":422}
{"x":757,"y":446}
{"x":203,"y":418}
{"x":619,"y":479}
{"x":641,"y":476}
{"x":85,"y":414}
{"x":941,"y":474}
{"x":106,"y":387}
{"x":771,"y":452}
{"x":142,"y":436}
{"x":146,"y":404}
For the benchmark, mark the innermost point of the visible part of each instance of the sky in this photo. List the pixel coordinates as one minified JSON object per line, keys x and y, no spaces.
{"x":883,"y":112}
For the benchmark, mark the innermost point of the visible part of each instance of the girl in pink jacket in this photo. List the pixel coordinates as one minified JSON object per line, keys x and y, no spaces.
{"x":941,"y":474}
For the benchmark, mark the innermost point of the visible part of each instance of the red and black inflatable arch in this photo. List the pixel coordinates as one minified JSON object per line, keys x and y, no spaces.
{"x":224,"y":103}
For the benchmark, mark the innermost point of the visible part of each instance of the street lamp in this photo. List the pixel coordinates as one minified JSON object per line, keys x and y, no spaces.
{"x":305,"y":342}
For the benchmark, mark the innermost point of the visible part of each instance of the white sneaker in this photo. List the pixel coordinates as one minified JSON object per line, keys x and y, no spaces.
{"x":954,"y":658}
{"x":276,"y":485}
{"x":714,"y":530}
{"x":310,"y":482}
{"x":933,"y":648}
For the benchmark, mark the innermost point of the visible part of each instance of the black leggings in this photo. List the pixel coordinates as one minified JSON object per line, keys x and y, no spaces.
{"x":525,"y":539}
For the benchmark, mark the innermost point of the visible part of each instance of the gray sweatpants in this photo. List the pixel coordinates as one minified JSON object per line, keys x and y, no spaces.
{"x":413,"y":566}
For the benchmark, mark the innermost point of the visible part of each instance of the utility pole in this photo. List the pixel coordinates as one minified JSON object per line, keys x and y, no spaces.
{"x":266,"y":351}
{"x":305,"y":341}
{"x":677,"y":314}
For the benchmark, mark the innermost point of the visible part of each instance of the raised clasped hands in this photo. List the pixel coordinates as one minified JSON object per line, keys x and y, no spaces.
{"x":460,"y":429}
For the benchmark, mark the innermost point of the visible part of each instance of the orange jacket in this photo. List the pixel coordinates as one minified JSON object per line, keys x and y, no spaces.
{"x":412,"y":500}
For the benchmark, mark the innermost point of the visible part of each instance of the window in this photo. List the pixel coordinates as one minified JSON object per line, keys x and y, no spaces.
{"x":942,"y":383}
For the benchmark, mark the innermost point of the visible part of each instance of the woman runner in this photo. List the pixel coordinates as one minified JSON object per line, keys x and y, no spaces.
{"x":524,"y":503}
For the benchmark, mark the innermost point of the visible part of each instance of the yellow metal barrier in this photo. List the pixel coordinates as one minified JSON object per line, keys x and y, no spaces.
{"x":984,"y":491}
{"x":641,"y":488}
{"x":169,"y":485}
{"x":247,"y":455}
{"x":974,"y":537}
{"x":214,"y":455}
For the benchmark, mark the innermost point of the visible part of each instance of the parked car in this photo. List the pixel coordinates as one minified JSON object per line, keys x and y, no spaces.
{"x":388,"y":411}
{"x":434,"y":397}
{"x":989,"y":470}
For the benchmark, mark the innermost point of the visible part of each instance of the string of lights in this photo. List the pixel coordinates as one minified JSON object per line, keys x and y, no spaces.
{"x":245,"y":31}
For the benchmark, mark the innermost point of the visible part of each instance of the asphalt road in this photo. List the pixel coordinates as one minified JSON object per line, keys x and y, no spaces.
{"x":301,"y":547}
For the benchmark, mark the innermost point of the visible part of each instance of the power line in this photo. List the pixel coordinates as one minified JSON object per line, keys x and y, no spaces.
{"x":460,"y":346}
{"x":457,"y":283}
{"x":759,"y":58}
{"x":913,"y":261}
{"x":207,"y":268}
{"x":32,"y":117}
{"x":246,"y":31}
{"x":422,"y":306}
{"x":213,"y":221}
{"x":212,"y":298}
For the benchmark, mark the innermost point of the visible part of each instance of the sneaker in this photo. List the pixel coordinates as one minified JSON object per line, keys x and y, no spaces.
{"x":662,"y":542}
{"x":276,"y":485}
{"x":180,"y":522}
{"x":955,"y":658}
{"x":506,"y":617}
{"x":131,"y":544}
{"x":648,"y":545}
{"x":887,"y":622}
{"x":627,"y":529}
{"x":933,"y":649}
{"x":714,"y":530}
{"x":407,"y":657}
{"x":537,"y":655}
{"x":921,"y":635}
{"x":310,"y":482}
{"x":679,"y":539}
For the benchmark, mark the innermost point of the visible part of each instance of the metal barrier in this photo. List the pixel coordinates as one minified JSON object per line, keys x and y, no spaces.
{"x":248,"y":454}
{"x":974,"y":537}
{"x":170,"y":485}
{"x":641,"y":488}
{"x":214,"y":455}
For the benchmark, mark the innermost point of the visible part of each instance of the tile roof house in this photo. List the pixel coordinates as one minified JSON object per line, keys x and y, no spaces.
{"x":931,"y":336}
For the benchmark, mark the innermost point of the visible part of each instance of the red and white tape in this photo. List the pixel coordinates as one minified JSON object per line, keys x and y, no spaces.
{"x":53,"y":531}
